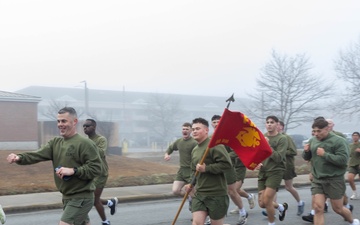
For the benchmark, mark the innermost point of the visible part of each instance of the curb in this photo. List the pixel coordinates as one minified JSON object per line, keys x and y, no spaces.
{"x":32,"y":208}
{"x":122,"y":199}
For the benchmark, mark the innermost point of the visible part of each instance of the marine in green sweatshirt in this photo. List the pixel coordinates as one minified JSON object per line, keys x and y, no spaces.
{"x":329,"y":155}
{"x":75,"y":152}
{"x":333,"y":162}
{"x":76,"y":162}
{"x":211,"y":197}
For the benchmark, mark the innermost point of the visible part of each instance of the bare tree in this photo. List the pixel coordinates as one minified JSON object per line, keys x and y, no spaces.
{"x":54,"y":107}
{"x":288,"y":89}
{"x":164,"y":113}
{"x":347,"y":68}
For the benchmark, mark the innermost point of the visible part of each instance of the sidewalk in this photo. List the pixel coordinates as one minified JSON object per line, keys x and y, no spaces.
{"x":52,"y":200}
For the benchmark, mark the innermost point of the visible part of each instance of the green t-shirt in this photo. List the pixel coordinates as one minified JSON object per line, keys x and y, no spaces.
{"x":354,"y":156}
{"x":101,"y":143}
{"x":185,"y":147}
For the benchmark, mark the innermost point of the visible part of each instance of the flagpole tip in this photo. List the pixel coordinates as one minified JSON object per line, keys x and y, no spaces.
{"x":231,"y":99}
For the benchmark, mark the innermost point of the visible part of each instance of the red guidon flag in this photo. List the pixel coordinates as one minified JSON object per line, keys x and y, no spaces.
{"x":238,"y":132}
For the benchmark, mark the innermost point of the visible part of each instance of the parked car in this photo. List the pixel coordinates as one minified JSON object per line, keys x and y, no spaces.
{"x":348,"y":137}
{"x":298,"y":140}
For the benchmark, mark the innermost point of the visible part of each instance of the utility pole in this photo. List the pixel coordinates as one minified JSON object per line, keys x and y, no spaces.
{"x":86,"y":98}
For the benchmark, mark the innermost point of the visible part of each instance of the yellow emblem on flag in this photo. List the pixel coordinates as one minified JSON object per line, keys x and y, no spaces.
{"x":249,"y":137}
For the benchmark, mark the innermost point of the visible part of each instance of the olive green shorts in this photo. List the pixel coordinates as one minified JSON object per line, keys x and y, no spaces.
{"x":354,"y":169}
{"x":331,"y":188}
{"x":289,"y":173}
{"x":230,"y":175}
{"x":216,"y":206}
{"x":76,"y":211}
{"x":240,"y":173}
{"x":183,"y":174}
{"x":271,"y":179}
{"x":100,"y":182}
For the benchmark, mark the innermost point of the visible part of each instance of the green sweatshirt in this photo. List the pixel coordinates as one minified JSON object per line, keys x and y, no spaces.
{"x":101,"y":143}
{"x":291,"y":149}
{"x":334,"y":163}
{"x":212,"y":182}
{"x":354,"y":156}
{"x":235,"y":160}
{"x":279,"y":146}
{"x":76,"y":151}
{"x":185,"y":148}
{"x":291,"y":152}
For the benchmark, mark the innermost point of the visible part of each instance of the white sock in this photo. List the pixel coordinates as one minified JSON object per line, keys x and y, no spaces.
{"x":249,"y":197}
{"x":105,"y":221}
{"x":312,"y":212}
{"x":347,"y":206}
{"x":242,"y":212}
{"x":281,"y":207}
{"x":109,"y":203}
{"x":300,"y":203}
{"x":271,"y":223}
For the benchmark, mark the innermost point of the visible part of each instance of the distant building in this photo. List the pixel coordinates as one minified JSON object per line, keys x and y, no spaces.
{"x":136,"y":117}
{"x":18,"y":121}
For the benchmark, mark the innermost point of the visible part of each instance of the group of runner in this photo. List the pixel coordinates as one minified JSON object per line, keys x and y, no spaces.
{"x":209,"y":202}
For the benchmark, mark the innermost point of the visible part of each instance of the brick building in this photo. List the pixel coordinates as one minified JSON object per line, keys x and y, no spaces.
{"x":18,"y":121}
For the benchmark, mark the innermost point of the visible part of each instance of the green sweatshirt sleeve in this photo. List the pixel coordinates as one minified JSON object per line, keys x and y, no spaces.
{"x":279,"y":151}
{"x":102,"y":144}
{"x":306,"y":155}
{"x":291,"y":149}
{"x":43,"y":154}
{"x":340,"y":156}
{"x":172,"y":147}
{"x":221,"y":160}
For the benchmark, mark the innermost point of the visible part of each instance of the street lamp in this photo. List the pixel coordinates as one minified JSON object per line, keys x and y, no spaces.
{"x":86,"y":98}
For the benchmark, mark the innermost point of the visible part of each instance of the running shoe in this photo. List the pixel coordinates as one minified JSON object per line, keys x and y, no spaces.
{"x":242,"y":219}
{"x":354,"y":196}
{"x":301,"y":209}
{"x":113,"y":206}
{"x":2,"y":215}
{"x":308,"y":218}
{"x":283,"y":213}
{"x":252,"y":201}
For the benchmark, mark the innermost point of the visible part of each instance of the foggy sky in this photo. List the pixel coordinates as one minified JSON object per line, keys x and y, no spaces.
{"x":183,"y":47}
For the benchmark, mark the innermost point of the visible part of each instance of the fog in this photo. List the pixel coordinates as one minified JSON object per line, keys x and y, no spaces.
{"x":211,"y":48}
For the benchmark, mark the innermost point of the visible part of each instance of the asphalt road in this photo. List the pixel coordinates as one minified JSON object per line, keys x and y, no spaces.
{"x":163,"y":212}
